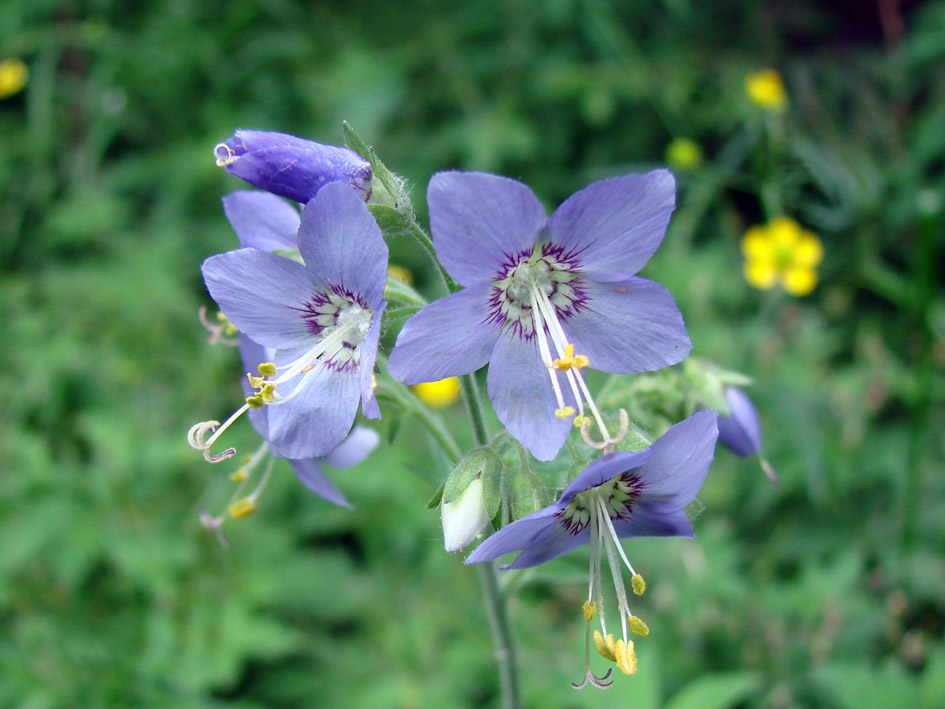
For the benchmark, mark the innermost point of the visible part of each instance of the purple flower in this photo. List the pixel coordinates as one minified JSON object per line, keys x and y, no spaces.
{"x":619,"y":495}
{"x":740,"y":431}
{"x":291,"y":167}
{"x":354,"y":449}
{"x":262,"y":220}
{"x":544,"y":298}
{"x":322,"y":319}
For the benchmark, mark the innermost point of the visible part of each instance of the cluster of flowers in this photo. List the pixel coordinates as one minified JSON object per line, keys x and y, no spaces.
{"x":542,"y":299}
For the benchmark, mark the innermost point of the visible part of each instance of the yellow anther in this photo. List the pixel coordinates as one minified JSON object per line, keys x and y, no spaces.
{"x":590,"y":610}
{"x":240,"y":475}
{"x":13,"y":77}
{"x":255,"y":402}
{"x":579,"y":420}
{"x":228,"y":327}
{"x":242,"y":508}
{"x":564,"y":364}
{"x":637,"y":584}
{"x":638,"y":626}
{"x":607,"y":647}
{"x":626,"y":657}
{"x":581,"y":362}
{"x":267,"y":369}
{"x":267,"y":392}
{"x":254,"y":381}
{"x":564,"y":412}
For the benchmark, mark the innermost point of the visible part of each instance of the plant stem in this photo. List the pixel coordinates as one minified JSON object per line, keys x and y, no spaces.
{"x":495,"y":601}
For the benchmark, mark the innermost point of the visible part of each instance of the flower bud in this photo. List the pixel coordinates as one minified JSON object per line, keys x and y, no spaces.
{"x":740,"y":431}
{"x":464,"y":518}
{"x":291,"y":167}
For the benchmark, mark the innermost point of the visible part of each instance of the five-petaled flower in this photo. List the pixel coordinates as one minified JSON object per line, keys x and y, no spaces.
{"x":291,"y":167}
{"x":782,"y":252}
{"x":323,"y":320}
{"x":621,"y":494}
{"x":544,"y":298}
{"x":765,"y":89}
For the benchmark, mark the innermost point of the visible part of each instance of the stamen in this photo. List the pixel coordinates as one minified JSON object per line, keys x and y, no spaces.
{"x":638,"y":626}
{"x":545,"y":353}
{"x":221,"y":331}
{"x":242,"y":508}
{"x":605,"y":646}
{"x":638,"y":584}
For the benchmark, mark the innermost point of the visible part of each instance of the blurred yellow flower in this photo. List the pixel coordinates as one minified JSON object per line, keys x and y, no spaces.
{"x":400,"y":273}
{"x":438,"y":394}
{"x":13,"y":76}
{"x":782,"y":252}
{"x":766,"y":89}
{"x":683,"y":154}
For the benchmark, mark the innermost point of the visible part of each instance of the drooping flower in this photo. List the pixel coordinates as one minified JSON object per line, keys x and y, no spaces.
{"x":782,"y":252}
{"x":322,"y":319}
{"x":619,"y":495}
{"x":765,"y":89}
{"x":543,"y":297}
{"x":740,"y":431}
{"x":291,"y":167}
{"x":351,"y":451}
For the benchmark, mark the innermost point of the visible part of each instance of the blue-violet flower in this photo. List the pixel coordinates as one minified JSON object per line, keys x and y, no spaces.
{"x":740,"y":431}
{"x":291,"y":167}
{"x":544,"y":298}
{"x":323,"y":320}
{"x":621,"y":494}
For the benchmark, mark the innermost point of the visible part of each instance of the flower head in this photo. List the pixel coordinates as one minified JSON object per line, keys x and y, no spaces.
{"x":322,"y":319}
{"x":740,"y":431}
{"x":683,"y":154}
{"x":438,"y":394}
{"x":291,"y":167}
{"x":619,"y":495}
{"x":13,"y":77}
{"x":782,"y":252}
{"x":544,"y":298}
{"x":765,"y":88}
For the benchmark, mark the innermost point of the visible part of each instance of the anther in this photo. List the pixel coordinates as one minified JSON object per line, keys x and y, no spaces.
{"x":638,"y":626}
{"x":590,"y":610}
{"x":255,"y":401}
{"x":580,"y":419}
{"x":221,"y":331}
{"x":637,"y":584}
{"x":606,"y":647}
{"x":626,"y":657}
{"x":267,"y":369}
{"x":564,"y":412}
{"x":240,"y":475}
{"x":242,"y":508}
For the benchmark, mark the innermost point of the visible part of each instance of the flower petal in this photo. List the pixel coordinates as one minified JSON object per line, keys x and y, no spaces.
{"x":480,"y":221}
{"x":341,"y":243}
{"x":449,"y":337}
{"x":679,"y":461}
{"x":368,"y":354}
{"x":740,"y":432}
{"x":646,"y":523}
{"x":629,"y":326}
{"x":252,"y":355}
{"x":520,"y":390}
{"x":316,"y":480}
{"x":354,"y":449}
{"x":318,"y":418}
{"x":262,"y":220}
{"x":615,"y":224}
{"x":605,"y":468}
{"x":549,"y":543}
{"x":259,"y":293}
{"x":515,"y":536}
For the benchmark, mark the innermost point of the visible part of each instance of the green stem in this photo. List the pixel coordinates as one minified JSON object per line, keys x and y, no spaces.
{"x":496,"y":608}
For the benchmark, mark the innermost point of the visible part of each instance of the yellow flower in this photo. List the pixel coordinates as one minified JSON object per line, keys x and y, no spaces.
{"x":782,"y":252}
{"x":438,"y":394}
{"x":400,"y":273}
{"x":766,"y":89}
{"x":13,"y":76}
{"x":683,"y":154}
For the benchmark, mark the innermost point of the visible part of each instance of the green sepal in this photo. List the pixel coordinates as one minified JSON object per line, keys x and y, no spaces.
{"x":527,"y":495}
{"x":482,"y":463}
{"x":391,"y":182}
{"x":707,"y":382}
{"x":437,"y":496}
{"x":392,"y":221}
{"x":632,"y":441}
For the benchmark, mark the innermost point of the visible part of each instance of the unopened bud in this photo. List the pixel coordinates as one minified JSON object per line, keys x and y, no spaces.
{"x":464,"y":518}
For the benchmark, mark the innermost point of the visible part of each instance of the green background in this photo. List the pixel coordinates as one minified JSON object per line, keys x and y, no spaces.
{"x":826,"y":590}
